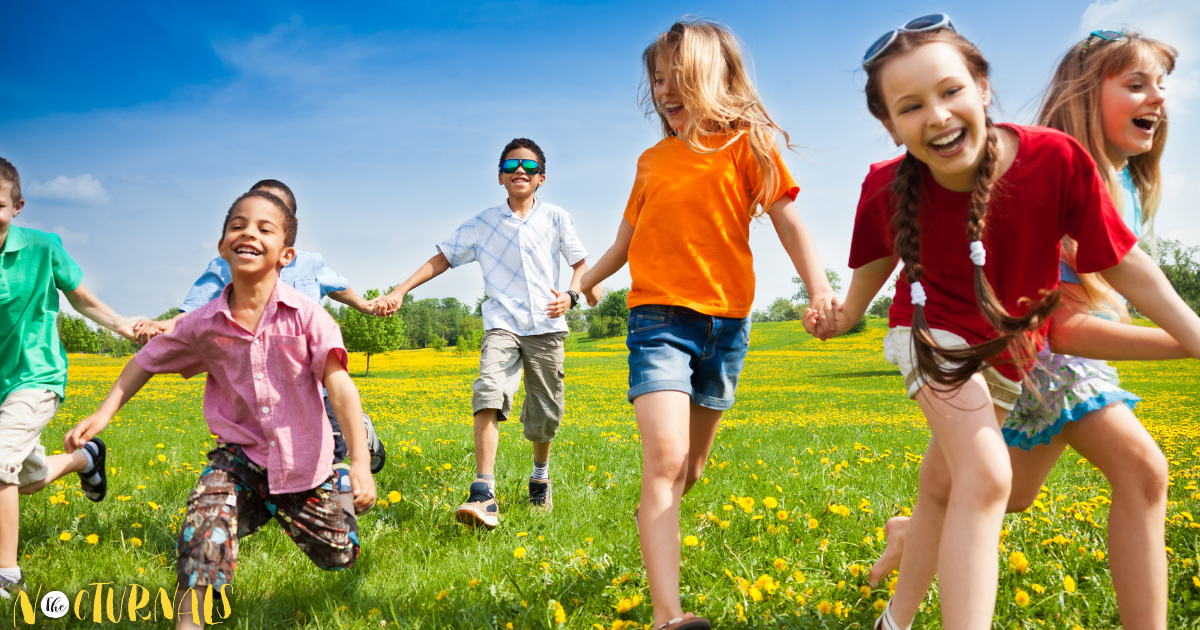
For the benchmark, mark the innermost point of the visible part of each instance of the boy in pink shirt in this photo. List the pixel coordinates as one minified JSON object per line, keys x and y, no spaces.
{"x":267,"y":351}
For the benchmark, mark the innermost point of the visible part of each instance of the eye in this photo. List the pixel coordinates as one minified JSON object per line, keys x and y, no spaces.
{"x":1136,"y":87}
{"x":909,"y":108}
{"x":954,"y":90}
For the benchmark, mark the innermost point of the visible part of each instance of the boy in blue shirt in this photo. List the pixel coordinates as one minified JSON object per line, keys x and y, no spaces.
{"x":309,"y":275}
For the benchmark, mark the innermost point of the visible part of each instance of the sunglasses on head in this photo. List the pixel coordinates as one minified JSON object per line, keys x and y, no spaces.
{"x":508,"y":167}
{"x":1105,"y":35}
{"x":931,"y":22}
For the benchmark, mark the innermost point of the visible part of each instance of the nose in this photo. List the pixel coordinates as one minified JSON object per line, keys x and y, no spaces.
{"x":938,"y":115}
{"x":1156,"y":93}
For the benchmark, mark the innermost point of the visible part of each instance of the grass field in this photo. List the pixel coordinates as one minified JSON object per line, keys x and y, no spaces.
{"x":819,"y":451}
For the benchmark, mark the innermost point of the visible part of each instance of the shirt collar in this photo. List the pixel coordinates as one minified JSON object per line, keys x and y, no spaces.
{"x":16,"y":239}
{"x":280,"y":294}
{"x":506,"y":210}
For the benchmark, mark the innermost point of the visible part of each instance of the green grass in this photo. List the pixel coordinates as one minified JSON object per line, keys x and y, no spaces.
{"x":815,"y":425}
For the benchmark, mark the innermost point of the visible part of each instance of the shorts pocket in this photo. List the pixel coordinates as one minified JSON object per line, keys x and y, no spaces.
{"x":643,"y":320}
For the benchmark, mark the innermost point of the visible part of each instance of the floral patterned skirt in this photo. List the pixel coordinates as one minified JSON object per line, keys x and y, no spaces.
{"x":1067,"y":389}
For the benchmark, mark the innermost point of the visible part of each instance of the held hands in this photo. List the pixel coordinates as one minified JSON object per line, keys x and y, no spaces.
{"x":87,"y":429}
{"x":362,"y":483}
{"x":589,"y":289}
{"x":143,"y":330}
{"x":559,"y":305}
{"x":385,"y":305}
{"x":824,"y":318}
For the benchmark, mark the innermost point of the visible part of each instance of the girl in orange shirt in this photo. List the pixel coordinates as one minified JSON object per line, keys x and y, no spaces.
{"x":686,"y":236}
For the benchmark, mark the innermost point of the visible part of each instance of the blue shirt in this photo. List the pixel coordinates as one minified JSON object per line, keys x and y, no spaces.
{"x":1132,"y":213}
{"x":519,"y":258}
{"x":307,"y":274}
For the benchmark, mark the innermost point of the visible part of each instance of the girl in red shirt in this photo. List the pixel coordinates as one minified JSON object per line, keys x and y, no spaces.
{"x":686,"y":237}
{"x":1110,"y":79}
{"x":996,"y":200}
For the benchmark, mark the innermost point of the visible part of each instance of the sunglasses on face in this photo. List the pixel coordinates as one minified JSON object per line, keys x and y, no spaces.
{"x":531,"y":167}
{"x":931,"y":22}
{"x":1104,"y":35}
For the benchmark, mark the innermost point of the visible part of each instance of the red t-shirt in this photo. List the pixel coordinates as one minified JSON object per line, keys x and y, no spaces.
{"x":1052,"y":189}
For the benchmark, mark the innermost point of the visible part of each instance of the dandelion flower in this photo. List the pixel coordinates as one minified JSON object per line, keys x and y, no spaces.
{"x":781,"y":515}
{"x":812,"y":523}
{"x":519,"y":553}
{"x":159,"y":445}
{"x":1069,"y":584}
{"x":65,"y":536}
{"x":824,"y":608}
{"x":691,"y":541}
{"x":136,"y":542}
{"x":162,"y":458}
{"x":724,"y":524}
{"x":447,"y":467}
{"x":755,"y":594}
{"x":1022,"y":598}
{"x":153,"y":505}
{"x":93,"y":539}
{"x":394,"y":497}
{"x":780,"y":564}
{"x":770,"y":503}
{"x":560,"y":615}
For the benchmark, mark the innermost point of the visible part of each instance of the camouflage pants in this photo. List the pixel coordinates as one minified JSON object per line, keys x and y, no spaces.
{"x":232,"y":496}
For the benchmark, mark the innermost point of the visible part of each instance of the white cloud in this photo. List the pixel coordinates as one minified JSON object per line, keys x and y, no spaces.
{"x":68,"y":237}
{"x":82,"y":189}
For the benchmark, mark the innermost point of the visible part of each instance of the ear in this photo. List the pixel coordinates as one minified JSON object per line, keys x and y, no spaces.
{"x":17,"y":207}
{"x":287,"y":256}
{"x":985,"y":91}
{"x":891,"y":129}
{"x":500,"y":178}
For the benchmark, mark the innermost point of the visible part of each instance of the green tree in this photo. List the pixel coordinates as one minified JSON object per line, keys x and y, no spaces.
{"x":610,"y":317}
{"x":168,"y":314}
{"x":77,"y":335}
{"x":470,"y":335}
{"x":835,"y":281}
{"x":370,"y":334}
{"x":879,"y":308}
{"x":781,"y":310}
{"x":1181,"y":265}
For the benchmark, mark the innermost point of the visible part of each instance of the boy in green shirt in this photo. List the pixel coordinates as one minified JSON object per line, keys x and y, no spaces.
{"x":34,"y":267}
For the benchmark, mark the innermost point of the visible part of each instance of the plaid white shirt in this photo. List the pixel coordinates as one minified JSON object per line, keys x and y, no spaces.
{"x":519,"y":263}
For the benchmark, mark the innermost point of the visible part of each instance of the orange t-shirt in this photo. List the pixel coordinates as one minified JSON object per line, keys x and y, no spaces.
{"x":691,"y":216}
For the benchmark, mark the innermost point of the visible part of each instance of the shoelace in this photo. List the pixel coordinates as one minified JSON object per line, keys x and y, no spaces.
{"x":479,"y":497}
{"x":539,"y":493}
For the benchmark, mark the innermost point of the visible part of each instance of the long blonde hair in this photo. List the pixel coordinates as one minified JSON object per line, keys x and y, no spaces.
{"x":1073,"y":105}
{"x":707,"y":69}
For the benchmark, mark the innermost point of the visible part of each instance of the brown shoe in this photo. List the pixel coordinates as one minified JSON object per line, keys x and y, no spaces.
{"x":480,"y":509}
{"x":686,"y":623}
{"x":540,"y":495}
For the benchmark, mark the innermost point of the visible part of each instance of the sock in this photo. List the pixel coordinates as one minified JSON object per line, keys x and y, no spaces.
{"x":12,"y":575}
{"x":541,"y":470}
{"x":490,"y":479}
{"x":89,"y":473}
{"x":343,"y":479}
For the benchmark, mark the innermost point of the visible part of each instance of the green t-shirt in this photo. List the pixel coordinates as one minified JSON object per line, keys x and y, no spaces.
{"x":34,"y":267}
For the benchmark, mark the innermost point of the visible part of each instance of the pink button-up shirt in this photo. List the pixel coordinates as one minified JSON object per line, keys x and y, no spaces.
{"x":263,"y":390}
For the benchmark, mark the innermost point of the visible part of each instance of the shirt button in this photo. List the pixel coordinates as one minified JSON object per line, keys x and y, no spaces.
{"x":272,"y":443}
{"x":258,"y":376}
{"x":266,"y":409}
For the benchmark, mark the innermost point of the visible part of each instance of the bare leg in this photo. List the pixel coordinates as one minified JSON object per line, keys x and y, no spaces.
{"x":57,"y":467}
{"x":703,"y":431}
{"x":10,"y":525}
{"x":1030,"y":469}
{"x":184,"y":619}
{"x":923,"y":535}
{"x":663,"y":421}
{"x":1114,"y":440}
{"x":541,"y":451}
{"x":487,"y":439}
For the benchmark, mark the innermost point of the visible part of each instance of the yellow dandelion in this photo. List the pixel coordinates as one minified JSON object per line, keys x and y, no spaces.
{"x":770,"y":503}
{"x":824,"y":608}
{"x":394,"y":497}
{"x":1022,"y":598}
{"x":159,"y":445}
{"x":560,"y":615}
{"x":755,"y":594}
{"x":136,"y":542}
{"x":780,"y":564}
{"x":855,"y":570}
{"x":441,"y":594}
{"x":519,"y":553}
{"x":782,"y":515}
{"x":162,"y":458}
{"x":153,"y":505}
{"x":880,"y":604}
{"x":691,"y":541}
{"x":92,"y":539}
{"x":65,"y":536}
{"x":1038,"y":588}
{"x":724,"y":524}
{"x":447,"y":467}
{"x":1069,"y":584}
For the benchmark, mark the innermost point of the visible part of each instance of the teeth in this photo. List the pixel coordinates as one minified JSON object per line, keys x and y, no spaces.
{"x":947,"y":140}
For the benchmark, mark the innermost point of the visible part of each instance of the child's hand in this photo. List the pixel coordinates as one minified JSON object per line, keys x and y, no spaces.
{"x":559,"y":305}
{"x":592,"y":292}
{"x":827,"y":307}
{"x":125,"y":328}
{"x":84,"y":431}
{"x":385,"y":305}
{"x":144,"y":330}
{"x":362,"y":483}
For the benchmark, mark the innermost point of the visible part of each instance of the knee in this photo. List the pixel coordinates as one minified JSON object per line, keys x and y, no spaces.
{"x":935,"y":485}
{"x":667,"y":465}
{"x":1021,"y":499}
{"x":990,"y":484}
{"x":1147,"y":478}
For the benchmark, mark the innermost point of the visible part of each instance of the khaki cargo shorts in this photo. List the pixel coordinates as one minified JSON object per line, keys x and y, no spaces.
{"x":502,"y":358}
{"x":898,"y":350}
{"x":23,"y":415}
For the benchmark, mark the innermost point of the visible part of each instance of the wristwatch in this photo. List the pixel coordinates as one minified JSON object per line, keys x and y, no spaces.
{"x":574,"y":298}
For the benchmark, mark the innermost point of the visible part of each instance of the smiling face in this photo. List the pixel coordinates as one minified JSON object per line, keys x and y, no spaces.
{"x":666,"y":98}
{"x":254,"y":241}
{"x":521,"y":184}
{"x":1131,"y":106}
{"x":938,"y":111}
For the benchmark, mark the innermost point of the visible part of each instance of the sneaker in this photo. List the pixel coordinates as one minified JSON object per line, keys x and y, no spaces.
{"x":375,"y":446}
{"x":8,"y":588}
{"x":343,"y":478}
{"x":480,"y":508}
{"x":99,"y":452}
{"x":540,"y":495}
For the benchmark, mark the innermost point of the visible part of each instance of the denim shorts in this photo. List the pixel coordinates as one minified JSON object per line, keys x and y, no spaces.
{"x":672,"y":348}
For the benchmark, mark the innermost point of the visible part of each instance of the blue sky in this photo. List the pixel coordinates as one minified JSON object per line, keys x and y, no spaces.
{"x":134,"y":128}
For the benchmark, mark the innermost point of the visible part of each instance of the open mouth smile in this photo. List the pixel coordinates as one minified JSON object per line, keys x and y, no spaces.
{"x":1146,"y":122}
{"x":672,"y":109}
{"x":246,"y":251}
{"x":949,"y":142}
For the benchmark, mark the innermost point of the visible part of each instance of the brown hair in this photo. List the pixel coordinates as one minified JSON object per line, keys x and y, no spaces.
{"x":288,"y":197}
{"x":289,"y":217}
{"x":707,"y":69}
{"x":953,"y":366}
{"x":1073,"y":105}
{"x":8,"y":174}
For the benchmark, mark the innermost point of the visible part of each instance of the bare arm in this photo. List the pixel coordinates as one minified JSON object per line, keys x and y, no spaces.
{"x":1144,"y":285}
{"x":434,"y":267}
{"x":610,"y":263}
{"x":1079,"y":334}
{"x":864,"y":286}
{"x":92,"y":308}
{"x":347,"y":407}
{"x":131,"y":380}
{"x":348,"y":297}
{"x":802,"y":249}
{"x":562,"y":301}
{"x":146,"y":329}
